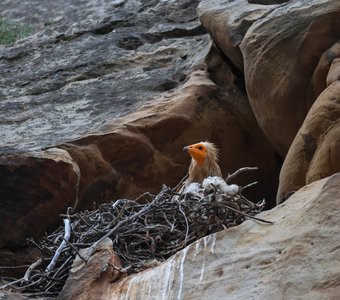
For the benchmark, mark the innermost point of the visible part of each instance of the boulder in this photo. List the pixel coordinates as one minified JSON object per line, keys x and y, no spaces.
{"x":249,"y":261}
{"x":292,"y":37}
{"x":227,"y":22}
{"x":35,"y":189}
{"x":88,"y":280}
{"x":314,"y":153}
{"x":279,"y":49}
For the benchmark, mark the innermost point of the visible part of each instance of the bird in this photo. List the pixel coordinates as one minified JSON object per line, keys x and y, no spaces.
{"x":219,"y":184}
{"x":204,"y":175}
{"x":204,"y":162}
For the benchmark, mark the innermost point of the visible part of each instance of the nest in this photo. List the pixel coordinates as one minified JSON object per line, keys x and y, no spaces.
{"x":141,"y":233}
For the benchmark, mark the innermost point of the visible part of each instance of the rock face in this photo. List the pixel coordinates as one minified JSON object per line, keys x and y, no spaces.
{"x":251,"y":261}
{"x":89,"y":63}
{"x":292,"y":37}
{"x":122,"y":87}
{"x":141,"y":154}
{"x":33,"y":188}
{"x":314,"y":153}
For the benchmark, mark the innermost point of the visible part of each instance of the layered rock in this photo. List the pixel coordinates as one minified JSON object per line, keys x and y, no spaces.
{"x":91,"y":64}
{"x":250,"y":261}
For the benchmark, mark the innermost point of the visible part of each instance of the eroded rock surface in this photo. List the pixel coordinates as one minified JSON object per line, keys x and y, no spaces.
{"x":85,"y":278}
{"x":140,"y":154}
{"x":122,"y":87}
{"x":35,"y":188}
{"x":90,"y":63}
{"x":280,"y":47}
{"x":314,"y":153}
{"x":252,"y":260}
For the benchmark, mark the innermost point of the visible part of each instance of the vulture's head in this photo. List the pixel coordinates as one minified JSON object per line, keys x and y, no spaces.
{"x":204,"y":161}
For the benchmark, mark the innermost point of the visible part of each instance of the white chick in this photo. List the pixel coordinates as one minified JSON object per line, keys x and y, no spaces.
{"x":193,"y":188}
{"x":212,"y":182}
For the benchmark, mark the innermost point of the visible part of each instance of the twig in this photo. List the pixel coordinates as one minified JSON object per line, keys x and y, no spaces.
{"x":123,"y":222}
{"x":32,"y":267}
{"x":248,"y":185}
{"x":75,"y":250}
{"x":14,"y":267}
{"x":62,"y":245}
{"x":231,"y":176}
{"x":179,"y":185}
{"x":186,"y":223}
{"x":245,"y":214}
{"x":11,"y":284}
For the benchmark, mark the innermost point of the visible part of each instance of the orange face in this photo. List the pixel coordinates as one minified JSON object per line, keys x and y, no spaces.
{"x":197,"y":151}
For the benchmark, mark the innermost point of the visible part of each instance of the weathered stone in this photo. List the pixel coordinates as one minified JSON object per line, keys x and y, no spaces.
{"x":314,"y":153}
{"x":227,"y":22}
{"x":143,"y":150}
{"x":35,"y":189}
{"x":122,"y":88}
{"x":252,"y":260}
{"x":278,"y":47}
{"x":89,"y":63}
{"x":292,"y":38}
{"x":89,"y":280}
{"x":322,"y":72}
{"x":12,"y":296}
{"x":334,"y":70}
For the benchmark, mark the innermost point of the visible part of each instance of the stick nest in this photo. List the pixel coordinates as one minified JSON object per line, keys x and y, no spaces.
{"x":141,"y":233}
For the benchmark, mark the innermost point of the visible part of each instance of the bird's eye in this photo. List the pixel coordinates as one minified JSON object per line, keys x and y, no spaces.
{"x":200,"y":147}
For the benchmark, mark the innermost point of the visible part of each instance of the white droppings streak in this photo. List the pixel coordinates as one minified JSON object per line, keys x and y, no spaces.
{"x":213,"y":243}
{"x":167,"y":277}
{"x":197,"y":247}
{"x":127,"y":295}
{"x":150,"y":288}
{"x":202,"y":270}
{"x":181,"y":272}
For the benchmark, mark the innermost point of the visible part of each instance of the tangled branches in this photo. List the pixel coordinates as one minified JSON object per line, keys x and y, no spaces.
{"x":141,"y":233}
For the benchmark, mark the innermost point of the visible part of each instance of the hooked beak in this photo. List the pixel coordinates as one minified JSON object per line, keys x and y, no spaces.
{"x":186,"y":149}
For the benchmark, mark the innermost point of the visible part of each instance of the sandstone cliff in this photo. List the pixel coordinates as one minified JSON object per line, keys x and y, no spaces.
{"x":98,"y":103}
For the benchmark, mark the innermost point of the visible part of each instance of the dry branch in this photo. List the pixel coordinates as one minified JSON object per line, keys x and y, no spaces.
{"x":239,"y":171}
{"x":61,"y":247}
{"x":32,"y":267}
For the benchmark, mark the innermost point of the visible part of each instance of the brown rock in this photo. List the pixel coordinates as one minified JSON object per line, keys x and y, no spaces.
{"x":314,"y":153}
{"x":143,"y":150}
{"x":227,"y":22}
{"x":35,"y":189}
{"x":286,"y":49}
{"x":334,"y":70}
{"x":281,"y":52}
{"x":90,"y":280}
{"x":322,"y":71}
{"x":98,"y":180}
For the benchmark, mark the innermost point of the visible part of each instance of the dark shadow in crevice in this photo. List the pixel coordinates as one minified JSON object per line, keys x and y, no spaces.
{"x":239,"y":76}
